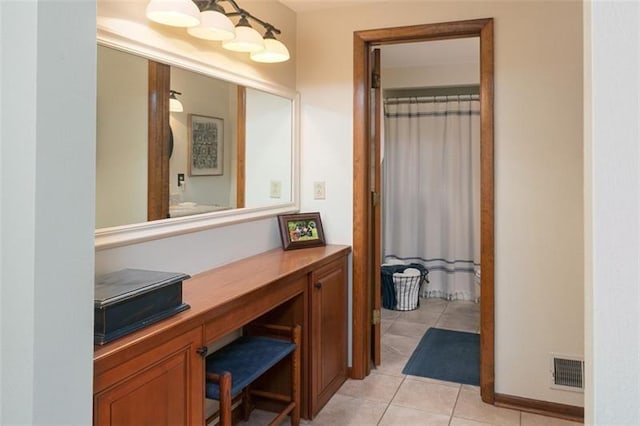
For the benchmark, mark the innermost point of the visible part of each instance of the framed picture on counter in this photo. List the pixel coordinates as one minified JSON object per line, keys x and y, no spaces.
{"x":301,"y":230}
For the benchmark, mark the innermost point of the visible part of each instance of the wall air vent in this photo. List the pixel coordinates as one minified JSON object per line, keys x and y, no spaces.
{"x":567,"y":373}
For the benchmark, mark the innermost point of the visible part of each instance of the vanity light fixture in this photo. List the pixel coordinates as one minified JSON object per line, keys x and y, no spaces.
{"x":174,"y":103}
{"x":213,"y":23}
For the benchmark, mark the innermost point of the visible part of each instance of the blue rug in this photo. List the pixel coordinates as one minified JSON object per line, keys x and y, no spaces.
{"x":453,"y":356}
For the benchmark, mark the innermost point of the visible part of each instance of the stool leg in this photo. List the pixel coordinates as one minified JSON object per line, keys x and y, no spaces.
{"x":225,"y":399}
{"x":295,"y":377}
{"x":246,"y":403}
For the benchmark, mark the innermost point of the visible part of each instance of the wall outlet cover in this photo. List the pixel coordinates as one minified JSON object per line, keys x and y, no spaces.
{"x":319,"y":191}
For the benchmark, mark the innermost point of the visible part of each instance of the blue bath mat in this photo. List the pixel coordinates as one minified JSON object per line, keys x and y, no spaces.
{"x":453,"y":356}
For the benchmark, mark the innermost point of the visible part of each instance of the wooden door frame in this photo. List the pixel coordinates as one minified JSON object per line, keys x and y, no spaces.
{"x":362,"y":312}
{"x":158,"y":141}
{"x":241,"y":144}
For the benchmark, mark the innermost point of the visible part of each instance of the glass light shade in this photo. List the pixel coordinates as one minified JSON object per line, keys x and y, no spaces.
{"x":175,"y":105}
{"x":176,"y":13}
{"x":213,"y":26}
{"x":274,"y":51}
{"x":247,"y":40}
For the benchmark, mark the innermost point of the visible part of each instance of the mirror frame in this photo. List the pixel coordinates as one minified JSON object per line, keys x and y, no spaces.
{"x":117,"y":236}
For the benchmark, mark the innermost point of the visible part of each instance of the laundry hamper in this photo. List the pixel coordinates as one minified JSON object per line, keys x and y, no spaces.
{"x":407,"y":285}
{"x":401,"y":285}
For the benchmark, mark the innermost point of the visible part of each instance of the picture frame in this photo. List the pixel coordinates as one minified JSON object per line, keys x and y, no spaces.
{"x":206,"y":143}
{"x":301,"y":230}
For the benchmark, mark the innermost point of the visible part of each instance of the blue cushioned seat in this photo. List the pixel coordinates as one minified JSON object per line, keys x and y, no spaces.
{"x":246,"y":358}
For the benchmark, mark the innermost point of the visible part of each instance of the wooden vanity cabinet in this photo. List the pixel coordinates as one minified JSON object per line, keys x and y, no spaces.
{"x":328,"y":326}
{"x":155,"y":375}
{"x":161,"y":386}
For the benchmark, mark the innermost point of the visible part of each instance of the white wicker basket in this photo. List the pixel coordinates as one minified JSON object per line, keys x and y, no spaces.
{"x":407,"y":287}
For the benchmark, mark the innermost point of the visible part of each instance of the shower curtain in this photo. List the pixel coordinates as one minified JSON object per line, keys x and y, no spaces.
{"x":431,"y":190}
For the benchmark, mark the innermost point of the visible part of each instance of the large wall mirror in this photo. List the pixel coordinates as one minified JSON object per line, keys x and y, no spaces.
{"x":229,"y":155}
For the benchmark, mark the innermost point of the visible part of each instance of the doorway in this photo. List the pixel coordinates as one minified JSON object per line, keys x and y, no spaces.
{"x":364,"y":260}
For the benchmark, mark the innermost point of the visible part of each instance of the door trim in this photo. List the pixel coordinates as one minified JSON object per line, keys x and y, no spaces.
{"x":362,"y":243}
{"x":158,"y":141}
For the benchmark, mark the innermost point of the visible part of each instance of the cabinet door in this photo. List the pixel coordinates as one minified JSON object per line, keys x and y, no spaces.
{"x":328,"y":332}
{"x":164,"y":386}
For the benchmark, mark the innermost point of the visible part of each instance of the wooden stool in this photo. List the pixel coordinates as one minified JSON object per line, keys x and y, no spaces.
{"x":230,"y":371}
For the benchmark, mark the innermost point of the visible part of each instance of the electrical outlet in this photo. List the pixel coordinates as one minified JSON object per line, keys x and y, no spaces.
{"x":276,"y":189}
{"x":318,"y":191}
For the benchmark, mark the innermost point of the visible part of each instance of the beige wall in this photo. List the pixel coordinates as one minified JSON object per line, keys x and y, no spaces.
{"x":538,"y":149}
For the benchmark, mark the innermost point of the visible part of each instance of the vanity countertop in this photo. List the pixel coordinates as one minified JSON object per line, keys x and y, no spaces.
{"x":215,"y":292}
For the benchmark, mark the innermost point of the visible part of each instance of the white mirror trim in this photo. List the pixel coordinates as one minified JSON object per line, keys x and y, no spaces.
{"x":130,"y":234}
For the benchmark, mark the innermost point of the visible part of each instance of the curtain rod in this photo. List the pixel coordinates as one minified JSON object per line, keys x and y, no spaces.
{"x":432,"y":91}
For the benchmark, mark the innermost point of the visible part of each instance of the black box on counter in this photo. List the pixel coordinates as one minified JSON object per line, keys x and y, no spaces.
{"x":130,"y":299}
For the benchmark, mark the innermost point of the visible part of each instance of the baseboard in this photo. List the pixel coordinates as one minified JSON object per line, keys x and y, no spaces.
{"x":545,"y":408}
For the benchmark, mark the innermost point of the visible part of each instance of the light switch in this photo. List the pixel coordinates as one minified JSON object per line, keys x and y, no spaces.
{"x":318,"y":191}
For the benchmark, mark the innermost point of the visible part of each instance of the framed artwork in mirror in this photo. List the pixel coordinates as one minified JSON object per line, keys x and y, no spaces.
{"x":206,"y":141}
{"x":301,"y":230}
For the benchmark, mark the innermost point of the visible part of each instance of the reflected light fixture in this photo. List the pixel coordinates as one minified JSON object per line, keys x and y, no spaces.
{"x":208,"y":19}
{"x":176,"y":13}
{"x":174,"y":103}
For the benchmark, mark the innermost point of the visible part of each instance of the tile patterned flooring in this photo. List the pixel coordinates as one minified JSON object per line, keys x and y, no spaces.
{"x":388,"y":397}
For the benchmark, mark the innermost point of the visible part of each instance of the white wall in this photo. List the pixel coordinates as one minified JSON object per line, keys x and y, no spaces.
{"x":612,"y":207}
{"x":195,"y":252}
{"x":47,"y":94}
{"x":1,"y":217}
{"x":538,"y":148}
{"x":121,"y":138}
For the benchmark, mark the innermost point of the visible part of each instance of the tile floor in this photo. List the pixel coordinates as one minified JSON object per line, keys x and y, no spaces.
{"x":388,"y":397}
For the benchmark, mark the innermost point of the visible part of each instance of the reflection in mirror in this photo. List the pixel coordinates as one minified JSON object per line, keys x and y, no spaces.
{"x":206,"y":190}
{"x":255,"y":129}
{"x":268,"y":149}
{"x":121,"y":134}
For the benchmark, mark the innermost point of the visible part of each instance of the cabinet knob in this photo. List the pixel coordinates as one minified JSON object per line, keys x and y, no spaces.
{"x":317,"y":285}
{"x":202,"y":351}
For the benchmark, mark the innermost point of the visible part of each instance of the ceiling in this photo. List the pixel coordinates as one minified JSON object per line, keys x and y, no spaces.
{"x":310,"y":5}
